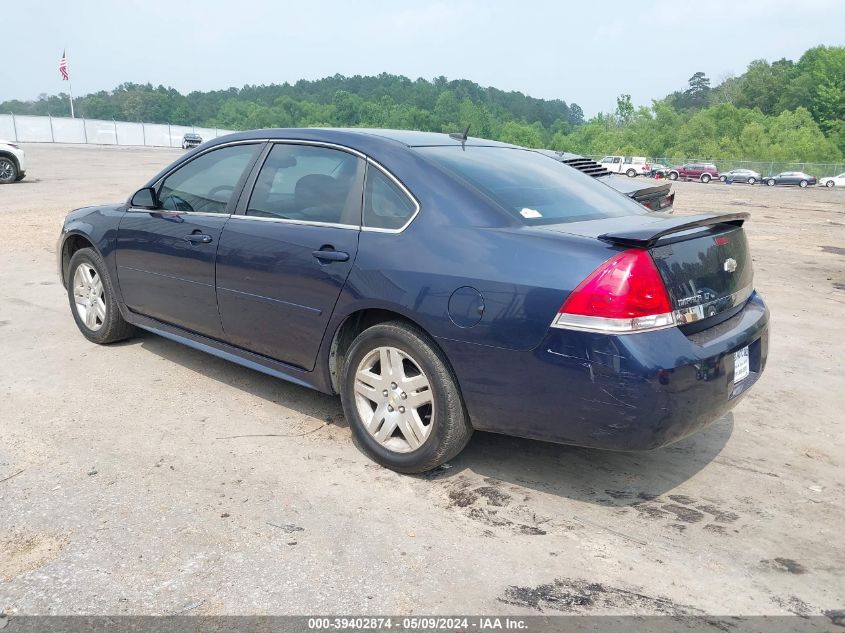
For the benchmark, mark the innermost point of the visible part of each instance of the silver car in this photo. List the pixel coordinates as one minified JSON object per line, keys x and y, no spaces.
{"x":740,"y":175}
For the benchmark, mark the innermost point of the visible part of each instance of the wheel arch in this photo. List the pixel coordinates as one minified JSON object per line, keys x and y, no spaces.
{"x":12,"y":157}
{"x":71,"y":243}
{"x":355,"y":323}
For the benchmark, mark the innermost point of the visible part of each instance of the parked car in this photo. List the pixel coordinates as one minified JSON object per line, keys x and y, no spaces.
{"x":655,"y":197}
{"x":704,"y":172}
{"x":658,"y":170}
{"x":191,"y":140}
{"x":438,"y":285}
{"x":741,"y":175}
{"x":632,"y":166}
{"x":12,"y":162}
{"x":833,"y":181}
{"x":791,"y":178}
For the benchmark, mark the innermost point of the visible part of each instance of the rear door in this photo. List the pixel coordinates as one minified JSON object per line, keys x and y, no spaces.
{"x":285,"y":255}
{"x":165,"y":256}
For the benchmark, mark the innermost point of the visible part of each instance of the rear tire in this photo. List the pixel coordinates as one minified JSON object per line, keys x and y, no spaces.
{"x":8,"y":171}
{"x":631,"y":173}
{"x":673,"y":175}
{"x":92,"y":299}
{"x":705,"y":178}
{"x":802,"y":184}
{"x":752,"y":180}
{"x":421,"y":422}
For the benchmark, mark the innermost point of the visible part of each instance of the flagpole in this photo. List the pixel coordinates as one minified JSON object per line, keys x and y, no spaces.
{"x":70,"y":97}
{"x":69,"y":86}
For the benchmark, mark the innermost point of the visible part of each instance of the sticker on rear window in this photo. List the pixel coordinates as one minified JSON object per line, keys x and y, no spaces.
{"x":530,"y":213}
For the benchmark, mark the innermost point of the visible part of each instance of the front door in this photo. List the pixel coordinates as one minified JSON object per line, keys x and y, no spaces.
{"x":285,"y":256}
{"x":165,"y":256}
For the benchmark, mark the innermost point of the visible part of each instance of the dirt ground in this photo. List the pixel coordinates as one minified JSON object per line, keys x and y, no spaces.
{"x":122,"y":490}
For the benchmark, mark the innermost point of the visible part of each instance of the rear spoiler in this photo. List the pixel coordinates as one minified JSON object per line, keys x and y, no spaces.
{"x":646,"y":236}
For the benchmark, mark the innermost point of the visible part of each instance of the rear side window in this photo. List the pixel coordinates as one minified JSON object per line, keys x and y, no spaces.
{"x":386,"y":206}
{"x":208,"y":182}
{"x":530,"y":186}
{"x":310,"y":184}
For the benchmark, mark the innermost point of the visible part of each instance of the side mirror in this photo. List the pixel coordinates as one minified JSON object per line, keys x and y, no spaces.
{"x":144,"y":199}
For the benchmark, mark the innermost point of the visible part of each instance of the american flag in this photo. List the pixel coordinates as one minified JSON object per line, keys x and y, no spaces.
{"x":63,"y":67}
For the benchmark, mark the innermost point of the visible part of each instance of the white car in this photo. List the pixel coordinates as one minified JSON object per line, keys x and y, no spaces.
{"x":830,"y":181}
{"x":12,"y":162}
{"x":633,"y":166}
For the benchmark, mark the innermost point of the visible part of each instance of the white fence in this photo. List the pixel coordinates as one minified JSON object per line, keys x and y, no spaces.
{"x":46,"y":129}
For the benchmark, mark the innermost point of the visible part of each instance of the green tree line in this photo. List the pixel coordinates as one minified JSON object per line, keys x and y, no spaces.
{"x":783,"y":110}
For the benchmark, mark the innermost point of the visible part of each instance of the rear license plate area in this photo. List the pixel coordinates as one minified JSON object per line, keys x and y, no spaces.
{"x":742,"y":365}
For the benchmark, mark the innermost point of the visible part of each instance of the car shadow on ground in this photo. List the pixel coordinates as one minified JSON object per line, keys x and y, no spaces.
{"x":610,"y":478}
{"x":593,"y":476}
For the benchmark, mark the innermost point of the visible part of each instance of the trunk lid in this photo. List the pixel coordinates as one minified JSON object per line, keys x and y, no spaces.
{"x":707,"y":272}
{"x":703,"y":259}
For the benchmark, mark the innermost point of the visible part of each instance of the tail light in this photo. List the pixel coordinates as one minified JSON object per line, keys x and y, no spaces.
{"x":666,"y":201}
{"x":625,"y":294}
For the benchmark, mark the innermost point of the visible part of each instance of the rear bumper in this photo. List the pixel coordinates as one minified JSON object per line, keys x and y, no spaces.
{"x":630,"y":392}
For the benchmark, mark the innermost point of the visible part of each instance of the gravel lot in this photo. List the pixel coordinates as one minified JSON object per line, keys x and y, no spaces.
{"x":123,"y":495}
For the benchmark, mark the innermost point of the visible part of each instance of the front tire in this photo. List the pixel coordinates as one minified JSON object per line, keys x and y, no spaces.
{"x":92,"y":299}
{"x":723,"y":178}
{"x":673,"y":175}
{"x":770,"y":182}
{"x":8,"y":170}
{"x":402,"y":399}
{"x":829,"y":183}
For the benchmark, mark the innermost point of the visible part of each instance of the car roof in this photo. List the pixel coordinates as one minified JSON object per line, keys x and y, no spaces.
{"x":409,"y":138}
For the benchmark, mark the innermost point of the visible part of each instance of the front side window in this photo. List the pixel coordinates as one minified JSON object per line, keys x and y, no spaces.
{"x":386,"y":206}
{"x":309,"y":183}
{"x":208,"y":182}
{"x":532,"y":187}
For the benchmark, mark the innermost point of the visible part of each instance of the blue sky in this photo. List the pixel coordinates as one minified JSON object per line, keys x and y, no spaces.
{"x":586,"y":52}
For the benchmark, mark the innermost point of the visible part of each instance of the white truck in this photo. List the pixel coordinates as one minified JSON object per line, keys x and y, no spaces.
{"x":633,"y":166}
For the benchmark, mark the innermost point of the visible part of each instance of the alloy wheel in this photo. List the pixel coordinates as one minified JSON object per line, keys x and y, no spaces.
{"x":394,"y":399}
{"x":7,"y":170}
{"x":89,"y":296}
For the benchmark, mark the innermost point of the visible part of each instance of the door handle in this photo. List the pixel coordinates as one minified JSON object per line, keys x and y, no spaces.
{"x":332,"y":255}
{"x":198,"y":238}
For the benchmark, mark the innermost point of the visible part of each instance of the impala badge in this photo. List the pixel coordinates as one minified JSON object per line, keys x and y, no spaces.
{"x":730,"y":265}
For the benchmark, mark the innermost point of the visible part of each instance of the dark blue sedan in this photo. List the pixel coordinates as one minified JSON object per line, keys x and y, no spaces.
{"x":438,"y":283}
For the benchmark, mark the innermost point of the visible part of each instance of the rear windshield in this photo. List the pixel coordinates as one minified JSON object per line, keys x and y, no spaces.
{"x":532,"y":187}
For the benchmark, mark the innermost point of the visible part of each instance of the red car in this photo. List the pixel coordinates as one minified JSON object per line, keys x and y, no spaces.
{"x":705,"y":172}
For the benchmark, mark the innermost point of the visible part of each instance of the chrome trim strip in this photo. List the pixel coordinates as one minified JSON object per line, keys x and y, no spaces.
{"x":691,"y":314}
{"x":259,"y":218}
{"x":602,"y":325}
{"x":170,"y":212}
{"x":293,"y":141}
{"x":404,"y":189}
